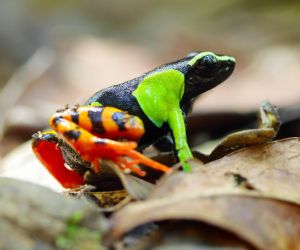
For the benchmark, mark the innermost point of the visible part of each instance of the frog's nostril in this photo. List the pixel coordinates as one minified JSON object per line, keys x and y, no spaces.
{"x":231,"y":62}
{"x":228,"y":65}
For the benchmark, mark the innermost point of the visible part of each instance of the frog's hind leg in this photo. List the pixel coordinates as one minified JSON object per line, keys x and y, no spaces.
{"x":45,"y":146}
{"x":91,"y":147}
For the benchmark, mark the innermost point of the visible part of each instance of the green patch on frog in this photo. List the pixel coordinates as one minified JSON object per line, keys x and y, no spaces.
{"x":96,"y":104}
{"x":159,"y":96}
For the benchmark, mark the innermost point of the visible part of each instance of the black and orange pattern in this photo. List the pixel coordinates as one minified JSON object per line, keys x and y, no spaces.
{"x":94,"y":133}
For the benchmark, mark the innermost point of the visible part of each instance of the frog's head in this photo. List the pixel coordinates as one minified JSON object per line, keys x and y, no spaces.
{"x":205,"y":71}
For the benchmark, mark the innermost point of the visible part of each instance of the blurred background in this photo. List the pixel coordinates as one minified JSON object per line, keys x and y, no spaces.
{"x":54,"y":53}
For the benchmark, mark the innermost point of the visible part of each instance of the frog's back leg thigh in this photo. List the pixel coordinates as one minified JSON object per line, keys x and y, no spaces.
{"x":45,"y":146}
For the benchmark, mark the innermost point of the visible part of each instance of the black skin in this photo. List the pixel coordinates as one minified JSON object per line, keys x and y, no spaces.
{"x":202,"y":76}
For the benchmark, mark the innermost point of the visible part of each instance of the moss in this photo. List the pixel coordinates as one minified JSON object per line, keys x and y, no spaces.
{"x":78,"y":236}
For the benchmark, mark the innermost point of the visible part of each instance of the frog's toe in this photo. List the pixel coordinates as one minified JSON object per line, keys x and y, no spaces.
{"x":125,"y":165}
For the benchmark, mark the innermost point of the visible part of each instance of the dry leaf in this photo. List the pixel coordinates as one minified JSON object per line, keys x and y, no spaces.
{"x":269,"y":170}
{"x":127,"y":187}
{"x":137,"y":188}
{"x":253,"y":193}
{"x":264,"y":223}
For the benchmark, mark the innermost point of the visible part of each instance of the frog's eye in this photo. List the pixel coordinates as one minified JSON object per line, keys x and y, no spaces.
{"x":207,"y":65}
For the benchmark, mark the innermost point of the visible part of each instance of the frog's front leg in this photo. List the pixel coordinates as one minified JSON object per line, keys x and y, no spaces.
{"x":177,"y":125}
{"x":159,"y":96}
{"x":91,"y":147}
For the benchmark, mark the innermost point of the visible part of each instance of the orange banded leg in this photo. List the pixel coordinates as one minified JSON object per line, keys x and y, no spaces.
{"x":91,"y":147}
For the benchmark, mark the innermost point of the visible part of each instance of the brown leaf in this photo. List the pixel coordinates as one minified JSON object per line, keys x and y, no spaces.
{"x":181,"y":234}
{"x":268,"y":170}
{"x":112,"y":197}
{"x":137,"y":188}
{"x":265,"y":223}
{"x":247,"y":193}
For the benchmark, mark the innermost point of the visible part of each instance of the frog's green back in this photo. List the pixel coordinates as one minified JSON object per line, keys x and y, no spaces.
{"x":159,"y":93}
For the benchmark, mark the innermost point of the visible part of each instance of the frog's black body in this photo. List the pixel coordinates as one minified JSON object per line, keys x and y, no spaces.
{"x":198,"y":78}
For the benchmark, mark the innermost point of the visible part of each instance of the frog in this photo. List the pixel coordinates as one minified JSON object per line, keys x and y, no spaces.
{"x":161,"y":98}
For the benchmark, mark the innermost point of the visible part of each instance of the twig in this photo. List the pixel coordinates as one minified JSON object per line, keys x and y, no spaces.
{"x":33,"y":69}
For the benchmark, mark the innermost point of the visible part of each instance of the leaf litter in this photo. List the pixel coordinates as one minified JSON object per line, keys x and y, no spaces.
{"x":252,"y":193}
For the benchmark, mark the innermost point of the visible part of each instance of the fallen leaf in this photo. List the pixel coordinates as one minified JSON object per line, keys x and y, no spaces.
{"x":269,"y":170}
{"x":264,"y":223}
{"x":253,"y":193}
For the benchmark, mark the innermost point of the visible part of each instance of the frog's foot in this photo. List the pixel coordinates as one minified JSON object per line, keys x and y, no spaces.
{"x":141,"y":159}
{"x":45,"y":146}
{"x":125,"y":165}
{"x":184,"y":156}
{"x":269,"y":124}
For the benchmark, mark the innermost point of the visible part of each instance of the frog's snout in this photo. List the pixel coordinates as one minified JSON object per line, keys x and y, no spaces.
{"x":228,"y":65}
